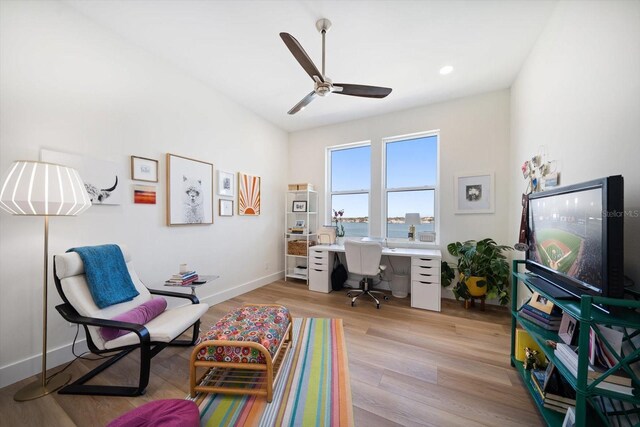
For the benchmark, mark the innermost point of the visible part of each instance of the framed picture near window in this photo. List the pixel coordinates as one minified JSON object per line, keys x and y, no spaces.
{"x":474,"y":193}
{"x":225,"y":207}
{"x":143,"y":169}
{"x":226,"y":184}
{"x":189,"y":191}
{"x":299,"y":206}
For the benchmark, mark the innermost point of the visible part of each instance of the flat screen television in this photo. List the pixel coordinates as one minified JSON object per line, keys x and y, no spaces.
{"x":575,"y":237}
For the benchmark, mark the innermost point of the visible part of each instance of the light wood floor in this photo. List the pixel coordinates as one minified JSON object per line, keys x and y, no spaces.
{"x":407,"y":366}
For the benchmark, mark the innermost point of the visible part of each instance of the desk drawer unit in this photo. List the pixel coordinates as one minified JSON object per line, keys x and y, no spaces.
{"x":319,"y":271}
{"x":425,"y":283}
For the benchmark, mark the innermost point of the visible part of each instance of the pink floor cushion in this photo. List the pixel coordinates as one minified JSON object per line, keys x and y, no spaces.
{"x":165,"y":413}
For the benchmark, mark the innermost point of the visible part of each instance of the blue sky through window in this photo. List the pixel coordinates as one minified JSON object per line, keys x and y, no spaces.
{"x":409,"y":163}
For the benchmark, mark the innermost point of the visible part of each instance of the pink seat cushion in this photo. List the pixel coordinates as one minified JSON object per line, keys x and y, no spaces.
{"x":165,"y":413}
{"x":141,"y":314}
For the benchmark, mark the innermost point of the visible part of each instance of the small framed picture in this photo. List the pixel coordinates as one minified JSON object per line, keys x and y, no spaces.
{"x":299,"y":206}
{"x":226,"y":184}
{"x":299,"y":223}
{"x":144,"y":194}
{"x":143,"y":169}
{"x":225,"y":207}
{"x":474,"y":193}
{"x":568,"y":330}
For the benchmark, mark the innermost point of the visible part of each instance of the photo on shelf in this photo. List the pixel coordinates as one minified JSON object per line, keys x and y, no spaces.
{"x":299,"y":206}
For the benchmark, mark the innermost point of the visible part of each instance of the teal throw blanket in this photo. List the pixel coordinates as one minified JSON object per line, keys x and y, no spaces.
{"x":107,"y":275}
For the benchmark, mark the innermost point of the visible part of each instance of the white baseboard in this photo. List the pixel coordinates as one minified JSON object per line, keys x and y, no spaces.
{"x":25,"y":368}
{"x":30,"y":366}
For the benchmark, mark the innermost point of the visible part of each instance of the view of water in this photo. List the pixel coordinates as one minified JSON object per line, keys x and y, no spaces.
{"x":395,"y":230}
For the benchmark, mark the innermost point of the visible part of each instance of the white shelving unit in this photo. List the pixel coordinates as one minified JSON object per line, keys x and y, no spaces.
{"x":296,"y":263}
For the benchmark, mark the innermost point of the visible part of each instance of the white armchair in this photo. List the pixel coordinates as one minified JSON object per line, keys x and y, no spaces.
{"x":79,"y":307}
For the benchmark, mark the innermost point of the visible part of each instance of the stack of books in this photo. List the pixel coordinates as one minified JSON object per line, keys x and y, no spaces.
{"x":552,"y":390}
{"x":549,"y":321}
{"x":618,"y":381}
{"x":182,"y":279}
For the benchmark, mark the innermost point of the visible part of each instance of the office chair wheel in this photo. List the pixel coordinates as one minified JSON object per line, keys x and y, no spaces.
{"x":386,"y":298}
{"x":378,"y":306}
{"x":353,"y":303}
{"x":349,"y":294}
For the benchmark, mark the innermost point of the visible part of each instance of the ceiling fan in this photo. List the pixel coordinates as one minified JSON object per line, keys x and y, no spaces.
{"x":322,"y":84}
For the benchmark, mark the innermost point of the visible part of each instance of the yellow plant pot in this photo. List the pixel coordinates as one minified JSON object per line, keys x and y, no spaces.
{"x":474,"y":289}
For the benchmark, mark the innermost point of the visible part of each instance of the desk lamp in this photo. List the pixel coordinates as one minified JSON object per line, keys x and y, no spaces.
{"x":412,"y":219}
{"x":43,"y":189}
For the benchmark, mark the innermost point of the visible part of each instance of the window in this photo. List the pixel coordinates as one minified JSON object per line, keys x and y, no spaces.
{"x":410,"y":183}
{"x":350,"y":182}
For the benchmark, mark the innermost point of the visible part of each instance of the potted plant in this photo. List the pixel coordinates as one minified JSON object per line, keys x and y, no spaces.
{"x":482,"y":267}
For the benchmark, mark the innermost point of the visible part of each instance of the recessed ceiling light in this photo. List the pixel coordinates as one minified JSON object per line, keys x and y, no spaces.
{"x":447,"y":69}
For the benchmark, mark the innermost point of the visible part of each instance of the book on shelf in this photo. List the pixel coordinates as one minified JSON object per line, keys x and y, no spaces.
{"x":599,"y":353}
{"x":554,"y":315}
{"x":553,"y":387}
{"x":555,"y":321}
{"x":544,"y":325}
{"x":617,"y":377}
{"x":569,"y":359}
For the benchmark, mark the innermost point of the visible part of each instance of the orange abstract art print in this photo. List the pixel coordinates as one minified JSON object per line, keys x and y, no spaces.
{"x":248,"y":194}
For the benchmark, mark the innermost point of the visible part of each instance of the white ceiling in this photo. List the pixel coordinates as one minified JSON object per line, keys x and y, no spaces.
{"x":234,"y":47}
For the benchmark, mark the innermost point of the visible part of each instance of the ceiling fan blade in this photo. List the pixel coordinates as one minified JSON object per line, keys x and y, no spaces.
{"x":301,"y":56}
{"x":361,"y":90}
{"x":303,"y":103}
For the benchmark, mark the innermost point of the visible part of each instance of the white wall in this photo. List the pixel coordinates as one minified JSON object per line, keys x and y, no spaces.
{"x":578,"y":94}
{"x":474,"y":136}
{"x":70,"y":86}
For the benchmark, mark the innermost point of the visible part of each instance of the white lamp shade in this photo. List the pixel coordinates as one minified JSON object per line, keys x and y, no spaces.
{"x":38,"y":188}
{"x":412,"y":219}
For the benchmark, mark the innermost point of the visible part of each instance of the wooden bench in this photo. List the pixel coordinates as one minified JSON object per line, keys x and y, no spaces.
{"x":242,"y":352}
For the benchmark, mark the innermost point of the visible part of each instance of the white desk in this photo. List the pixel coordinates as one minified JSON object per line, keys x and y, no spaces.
{"x":425,"y":272}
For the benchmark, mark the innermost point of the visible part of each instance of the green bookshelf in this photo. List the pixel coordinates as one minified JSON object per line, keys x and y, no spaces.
{"x":588,"y":411}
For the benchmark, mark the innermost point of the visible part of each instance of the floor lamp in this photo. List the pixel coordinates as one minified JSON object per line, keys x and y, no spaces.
{"x":43,"y":189}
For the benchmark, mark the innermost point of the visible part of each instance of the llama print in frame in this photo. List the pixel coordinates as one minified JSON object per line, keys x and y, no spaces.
{"x":189,"y":191}
{"x":248,"y":194}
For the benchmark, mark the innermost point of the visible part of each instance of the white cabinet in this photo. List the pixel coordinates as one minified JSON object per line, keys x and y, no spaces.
{"x":425,"y":282}
{"x":320,"y":269}
{"x":301,"y":226}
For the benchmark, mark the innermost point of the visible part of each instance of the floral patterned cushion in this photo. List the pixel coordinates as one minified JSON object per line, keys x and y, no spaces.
{"x":265,"y":325}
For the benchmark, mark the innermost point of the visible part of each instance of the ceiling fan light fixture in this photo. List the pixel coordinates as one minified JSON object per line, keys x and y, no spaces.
{"x":447,"y":69}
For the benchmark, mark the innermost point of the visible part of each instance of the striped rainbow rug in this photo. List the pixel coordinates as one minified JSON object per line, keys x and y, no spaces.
{"x":312,"y":389}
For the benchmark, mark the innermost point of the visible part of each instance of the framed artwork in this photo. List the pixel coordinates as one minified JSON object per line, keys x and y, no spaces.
{"x":568,"y":331}
{"x":143,"y":169}
{"x":299,"y":223}
{"x":299,"y":206}
{"x":474,"y":193}
{"x":226,"y":184}
{"x":248,"y":194}
{"x":102,"y":178}
{"x":189,"y":191}
{"x":225,"y":207}
{"x":144,"y":194}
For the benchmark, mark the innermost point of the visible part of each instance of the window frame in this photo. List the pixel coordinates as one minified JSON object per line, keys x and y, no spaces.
{"x":436,"y":188}
{"x":330,"y":193}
